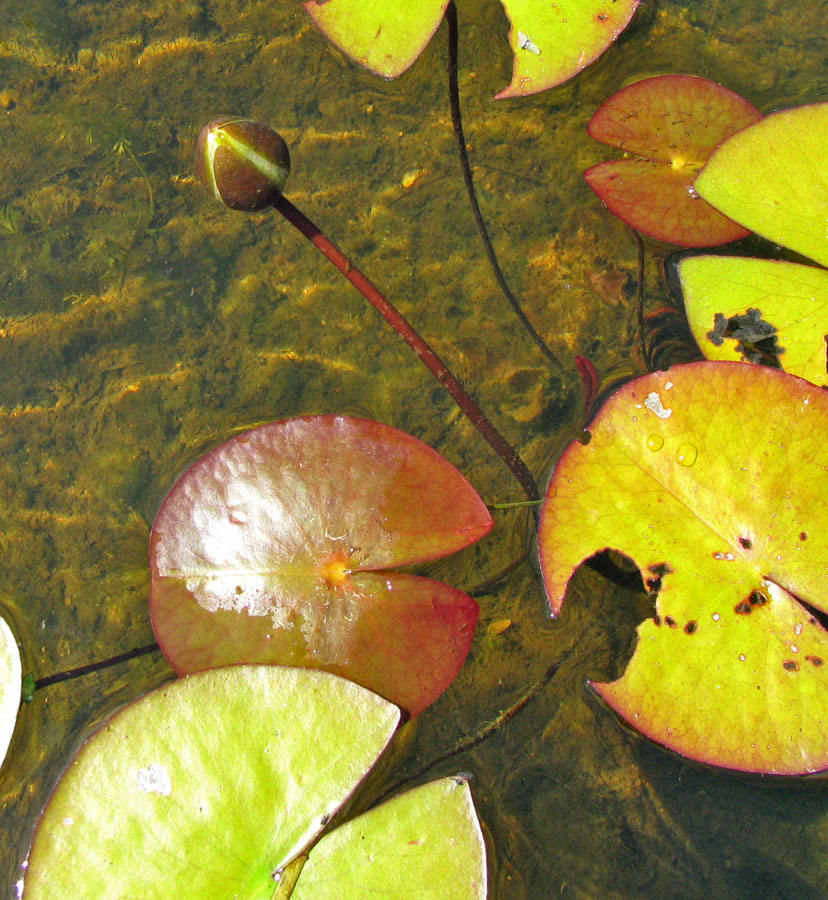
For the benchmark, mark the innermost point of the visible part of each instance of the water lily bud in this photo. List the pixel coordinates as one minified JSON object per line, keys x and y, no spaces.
{"x":243,"y":163}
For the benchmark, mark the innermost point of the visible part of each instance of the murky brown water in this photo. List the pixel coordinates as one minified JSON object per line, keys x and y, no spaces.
{"x":141,"y":322}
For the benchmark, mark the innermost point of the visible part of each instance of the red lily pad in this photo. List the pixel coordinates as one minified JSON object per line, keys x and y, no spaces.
{"x":712,"y":478}
{"x":273,"y":548}
{"x":670,"y":125}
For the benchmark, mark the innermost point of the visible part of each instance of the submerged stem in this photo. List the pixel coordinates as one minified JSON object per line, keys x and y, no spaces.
{"x":69,"y":674}
{"x":457,"y":123}
{"x":418,"y":344}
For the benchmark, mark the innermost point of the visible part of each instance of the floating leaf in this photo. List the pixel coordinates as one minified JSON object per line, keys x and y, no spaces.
{"x":207,"y":786}
{"x":773,"y":179}
{"x":424,"y":844}
{"x":760,"y":310}
{"x":273,"y":548}
{"x":385,"y":36}
{"x":712,"y":478}
{"x":215,"y":786}
{"x":550,"y":42}
{"x":670,"y":124}
{"x":10,"y":681}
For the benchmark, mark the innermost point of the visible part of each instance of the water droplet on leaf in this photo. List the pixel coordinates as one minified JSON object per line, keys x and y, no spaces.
{"x":655,"y":442}
{"x":686,"y":455}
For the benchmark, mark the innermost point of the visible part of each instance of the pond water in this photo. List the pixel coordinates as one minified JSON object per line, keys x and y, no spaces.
{"x":141,"y":323}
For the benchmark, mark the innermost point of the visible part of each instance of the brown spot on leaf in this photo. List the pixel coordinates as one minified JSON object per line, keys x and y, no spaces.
{"x":669,"y":620}
{"x":743,"y":608}
{"x":746,"y":543}
{"x":691,"y":627}
{"x":758,"y":598}
{"x":803,"y":536}
{"x":790,"y":665}
{"x":815,"y":660}
{"x":756,"y":338}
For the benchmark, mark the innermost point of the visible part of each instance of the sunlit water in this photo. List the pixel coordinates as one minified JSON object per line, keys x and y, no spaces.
{"x":141,"y":323}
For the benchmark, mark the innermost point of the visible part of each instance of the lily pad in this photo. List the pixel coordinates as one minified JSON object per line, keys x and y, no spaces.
{"x":10,"y":682}
{"x":426,"y":843}
{"x":385,"y":36}
{"x":550,"y":42}
{"x":274,"y":547}
{"x":214,"y":785}
{"x":712,"y":478}
{"x":773,"y":178}
{"x":670,"y":125}
{"x":760,"y":310}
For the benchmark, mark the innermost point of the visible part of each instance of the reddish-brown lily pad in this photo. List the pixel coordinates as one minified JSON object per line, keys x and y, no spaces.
{"x":669,"y":125}
{"x":712,"y":478}
{"x":274,"y":547}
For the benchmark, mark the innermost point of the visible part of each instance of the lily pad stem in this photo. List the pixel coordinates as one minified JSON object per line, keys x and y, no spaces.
{"x":418,"y":344}
{"x":457,"y":124}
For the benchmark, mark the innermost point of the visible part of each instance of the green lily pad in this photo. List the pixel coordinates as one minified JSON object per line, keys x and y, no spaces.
{"x":10,"y":681}
{"x":426,"y":843}
{"x":207,"y":787}
{"x":712,"y":478}
{"x":760,"y":310}
{"x":670,"y":124}
{"x":385,"y":36}
{"x":773,"y":178}
{"x":274,"y":547}
{"x":550,"y":42}
{"x":217,"y":785}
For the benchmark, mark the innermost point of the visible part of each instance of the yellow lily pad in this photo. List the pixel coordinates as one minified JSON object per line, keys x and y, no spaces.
{"x":385,"y":37}
{"x":550,"y":42}
{"x":772,"y":177}
{"x":712,"y":478}
{"x":734,"y":304}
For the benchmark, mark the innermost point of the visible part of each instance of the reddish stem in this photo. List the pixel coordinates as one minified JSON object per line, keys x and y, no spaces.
{"x":423,"y":350}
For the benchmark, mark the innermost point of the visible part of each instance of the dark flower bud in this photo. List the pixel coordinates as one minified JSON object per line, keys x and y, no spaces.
{"x":243,"y":163}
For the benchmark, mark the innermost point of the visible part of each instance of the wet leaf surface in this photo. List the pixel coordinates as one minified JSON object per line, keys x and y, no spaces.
{"x":273,"y":548}
{"x":207,"y":786}
{"x":669,"y":125}
{"x":773,"y":179}
{"x":10,"y":680}
{"x":719,"y":503}
{"x":789,"y":304}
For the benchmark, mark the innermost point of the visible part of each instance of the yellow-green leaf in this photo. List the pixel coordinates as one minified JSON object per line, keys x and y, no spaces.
{"x":772,"y":177}
{"x":423,"y":844}
{"x":552,"y":42}
{"x":712,"y":478}
{"x":789,"y":298}
{"x":385,"y":36}
{"x":208,"y":787}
